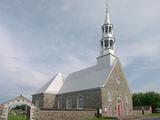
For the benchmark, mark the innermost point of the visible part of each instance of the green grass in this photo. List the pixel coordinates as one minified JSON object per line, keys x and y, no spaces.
{"x":17,"y":117}
{"x":153,"y":115}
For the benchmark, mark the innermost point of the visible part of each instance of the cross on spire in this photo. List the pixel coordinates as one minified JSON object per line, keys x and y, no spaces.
{"x":107,"y":6}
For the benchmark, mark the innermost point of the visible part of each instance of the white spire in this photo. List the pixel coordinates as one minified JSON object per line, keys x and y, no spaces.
{"x":107,"y":19}
{"x":107,"y":53}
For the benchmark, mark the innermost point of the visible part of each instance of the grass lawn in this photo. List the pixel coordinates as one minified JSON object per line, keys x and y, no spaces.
{"x":102,"y":119}
{"x":17,"y":117}
{"x":153,"y":115}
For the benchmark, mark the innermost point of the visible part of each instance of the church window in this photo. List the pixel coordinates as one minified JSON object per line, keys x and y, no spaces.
{"x":111,"y":44}
{"x":69,"y":103}
{"x":109,"y":96}
{"x":106,"y":44}
{"x":106,"y":29}
{"x":60,"y":104}
{"x":110,"y":29}
{"x":102,"y":44}
{"x":118,"y":80}
{"x":37,"y":102}
{"x":103,"y":29}
{"x":80,"y":102}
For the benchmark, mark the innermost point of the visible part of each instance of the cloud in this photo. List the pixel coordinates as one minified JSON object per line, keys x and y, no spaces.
{"x":17,"y":71}
{"x":40,"y":38}
{"x":145,"y":49}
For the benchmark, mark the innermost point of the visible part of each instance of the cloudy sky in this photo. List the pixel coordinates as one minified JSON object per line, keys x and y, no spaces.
{"x":39,"y":38}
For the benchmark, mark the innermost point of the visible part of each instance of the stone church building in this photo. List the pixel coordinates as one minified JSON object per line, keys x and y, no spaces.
{"x":102,"y":86}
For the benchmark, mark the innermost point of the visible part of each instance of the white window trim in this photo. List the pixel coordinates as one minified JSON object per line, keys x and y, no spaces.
{"x":37,"y":102}
{"x":59,"y":103}
{"x":67,"y":107}
{"x":118,"y":80}
{"x":109,"y":96}
{"x":78,"y":102}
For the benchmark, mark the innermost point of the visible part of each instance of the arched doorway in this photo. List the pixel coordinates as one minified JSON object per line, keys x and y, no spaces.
{"x":19,"y":112}
{"x":17,"y":101}
{"x":119,"y":107}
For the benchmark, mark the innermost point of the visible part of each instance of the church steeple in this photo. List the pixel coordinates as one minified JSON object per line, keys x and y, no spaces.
{"x":107,"y":19}
{"x":107,"y":41}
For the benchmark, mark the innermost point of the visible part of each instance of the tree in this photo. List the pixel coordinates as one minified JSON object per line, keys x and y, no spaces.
{"x":147,"y":99}
{"x":20,"y":107}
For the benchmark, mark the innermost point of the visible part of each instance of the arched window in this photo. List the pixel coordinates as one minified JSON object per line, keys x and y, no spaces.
{"x":102,"y":29}
{"x":118,"y":80}
{"x":111,"y":43}
{"x":110,"y":29}
{"x":102,"y":44}
{"x":37,"y":102}
{"x":106,"y":29}
{"x":80,"y":102}
{"x":106,"y":44}
{"x":69,"y":103}
{"x":60,"y":105}
{"x":109,"y":96}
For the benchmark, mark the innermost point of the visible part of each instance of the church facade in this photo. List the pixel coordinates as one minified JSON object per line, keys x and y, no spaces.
{"x":102,"y":86}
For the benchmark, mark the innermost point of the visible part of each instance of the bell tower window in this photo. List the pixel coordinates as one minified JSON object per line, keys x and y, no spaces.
{"x":102,"y":29}
{"x":106,"y":44}
{"x":110,"y":29}
{"x":102,"y":44}
{"x":106,"y":29}
{"x":111,"y":44}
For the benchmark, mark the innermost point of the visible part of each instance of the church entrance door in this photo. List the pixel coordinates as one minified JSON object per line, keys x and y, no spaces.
{"x":119,"y":108}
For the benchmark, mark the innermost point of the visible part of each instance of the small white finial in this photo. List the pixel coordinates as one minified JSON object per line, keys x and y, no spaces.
{"x":107,"y":6}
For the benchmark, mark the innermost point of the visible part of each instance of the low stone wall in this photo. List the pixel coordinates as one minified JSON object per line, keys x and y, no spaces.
{"x":138,"y":110}
{"x":64,"y":115}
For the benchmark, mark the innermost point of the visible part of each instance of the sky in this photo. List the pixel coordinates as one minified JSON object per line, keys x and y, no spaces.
{"x":39,"y":38}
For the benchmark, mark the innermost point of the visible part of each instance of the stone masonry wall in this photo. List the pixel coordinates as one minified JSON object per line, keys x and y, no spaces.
{"x":48,"y":101}
{"x":38,"y":100}
{"x":92,"y":99}
{"x":44,"y":100}
{"x":65,"y":115}
{"x":119,"y":89}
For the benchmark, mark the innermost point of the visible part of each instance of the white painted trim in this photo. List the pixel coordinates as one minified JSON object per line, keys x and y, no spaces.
{"x":67,"y":107}
{"x":124,"y":76}
{"x":110,"y":73}
{"x":78,"y":102}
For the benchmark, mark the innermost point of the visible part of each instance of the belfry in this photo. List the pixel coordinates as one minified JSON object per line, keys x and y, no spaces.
{"x":107,"y":41}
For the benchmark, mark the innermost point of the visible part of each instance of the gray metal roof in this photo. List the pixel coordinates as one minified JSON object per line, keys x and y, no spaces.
{"x":89,"y":78}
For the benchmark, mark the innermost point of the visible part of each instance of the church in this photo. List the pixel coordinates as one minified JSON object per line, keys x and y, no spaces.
{"x":103,"y":86}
